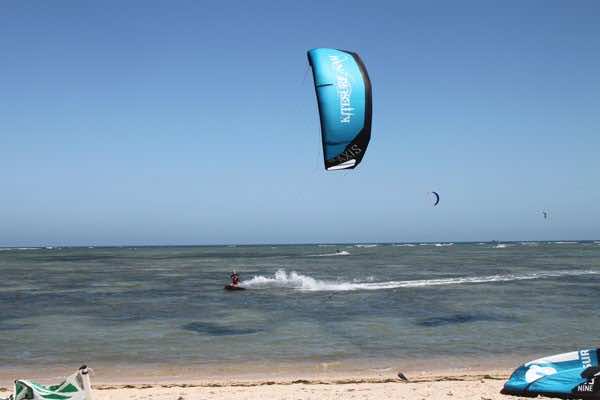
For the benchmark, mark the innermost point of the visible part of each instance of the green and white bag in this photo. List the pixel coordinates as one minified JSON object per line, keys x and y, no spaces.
{"x":75,"y":387}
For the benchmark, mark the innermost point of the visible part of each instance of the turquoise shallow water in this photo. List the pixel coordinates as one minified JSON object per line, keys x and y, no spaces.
{"x":303,"y":303}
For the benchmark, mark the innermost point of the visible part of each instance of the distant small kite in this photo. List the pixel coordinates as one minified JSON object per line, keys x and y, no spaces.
{"x":545,"y":213}
{"x":437,"y":198}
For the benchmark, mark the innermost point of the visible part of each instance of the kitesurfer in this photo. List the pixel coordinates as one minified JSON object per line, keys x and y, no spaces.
{"x":235,"y":279}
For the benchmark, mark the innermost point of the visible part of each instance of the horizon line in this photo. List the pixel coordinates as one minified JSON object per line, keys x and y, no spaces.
{"x":53,"y":246}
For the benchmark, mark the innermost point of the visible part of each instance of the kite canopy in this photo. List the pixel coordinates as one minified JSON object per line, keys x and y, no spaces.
{"x":74,"y":387}
{"x":437,"y":198}
{"x":569,"y":375}
{"x":344,"y":97}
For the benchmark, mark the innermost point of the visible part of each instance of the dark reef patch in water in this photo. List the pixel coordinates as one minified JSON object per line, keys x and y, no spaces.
{"x":14,"y":326}
{"x":463,"y":318}
{"x":218,"y":330}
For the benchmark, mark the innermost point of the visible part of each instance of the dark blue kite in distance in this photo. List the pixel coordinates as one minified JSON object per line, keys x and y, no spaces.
{"x":437,"y":198}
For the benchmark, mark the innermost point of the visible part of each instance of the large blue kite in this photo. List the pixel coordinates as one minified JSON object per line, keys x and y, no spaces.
{"x":344,"y":97}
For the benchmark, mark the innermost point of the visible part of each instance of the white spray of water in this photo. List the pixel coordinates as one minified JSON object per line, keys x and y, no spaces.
{"x":297,"y":281}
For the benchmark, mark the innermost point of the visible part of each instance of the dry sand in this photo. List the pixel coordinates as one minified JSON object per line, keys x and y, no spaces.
{"x":468,"y":387}
{"x":472,"y":385}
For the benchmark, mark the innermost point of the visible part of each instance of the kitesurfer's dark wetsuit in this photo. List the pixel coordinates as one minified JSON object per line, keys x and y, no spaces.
{"x":235,"y":279}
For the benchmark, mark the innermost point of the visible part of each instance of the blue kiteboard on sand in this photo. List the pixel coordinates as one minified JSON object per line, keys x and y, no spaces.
{"x":574,"y":375}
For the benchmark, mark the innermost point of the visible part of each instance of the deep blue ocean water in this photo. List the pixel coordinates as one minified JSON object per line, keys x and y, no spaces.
{"x":302,"y":303}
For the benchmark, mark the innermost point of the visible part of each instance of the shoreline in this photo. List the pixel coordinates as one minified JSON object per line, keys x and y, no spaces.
{"x":339,"y":380}
{"x":218,"y":373}
{"x":424,"y":385}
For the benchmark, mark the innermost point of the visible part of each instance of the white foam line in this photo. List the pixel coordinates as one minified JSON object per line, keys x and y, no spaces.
{"x":293,"y":280}
{"x":341,"y":253}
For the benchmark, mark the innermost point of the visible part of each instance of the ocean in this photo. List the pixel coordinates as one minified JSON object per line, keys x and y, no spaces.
{"x":303,"y":303}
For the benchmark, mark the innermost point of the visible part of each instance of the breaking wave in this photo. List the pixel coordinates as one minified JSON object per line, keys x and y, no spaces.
{"x":341,"y":253}
{"x":294,"y":280}
{"x":19,"y":248}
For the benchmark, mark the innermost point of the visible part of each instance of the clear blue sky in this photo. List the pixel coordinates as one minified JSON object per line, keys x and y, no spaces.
{"x":195,"y":122}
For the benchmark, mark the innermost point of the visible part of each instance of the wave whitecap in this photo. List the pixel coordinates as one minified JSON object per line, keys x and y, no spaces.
{"x":19,"y":248}
{"x":339,"y":253}
{"x":297,"y":281}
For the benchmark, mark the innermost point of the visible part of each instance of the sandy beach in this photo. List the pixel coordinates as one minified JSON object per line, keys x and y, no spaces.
{"x":459,"y":387}
{"x":450,"y":385}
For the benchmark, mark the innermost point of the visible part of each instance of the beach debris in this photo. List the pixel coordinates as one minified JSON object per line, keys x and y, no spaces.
{"x":301,"y":381}
{"x":402,"y":376}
